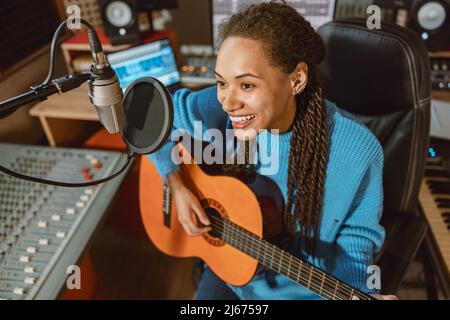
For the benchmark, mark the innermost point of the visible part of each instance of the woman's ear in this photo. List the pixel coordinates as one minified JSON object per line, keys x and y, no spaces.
{"x":299,"y":78}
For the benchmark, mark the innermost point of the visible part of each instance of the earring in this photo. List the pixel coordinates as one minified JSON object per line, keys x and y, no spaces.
{"x":299,"y":90}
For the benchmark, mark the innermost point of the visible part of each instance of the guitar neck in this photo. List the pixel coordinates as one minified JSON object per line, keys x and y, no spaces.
{"x":271,"y":256}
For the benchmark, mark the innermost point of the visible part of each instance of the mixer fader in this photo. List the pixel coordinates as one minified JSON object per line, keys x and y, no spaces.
{"x":44,"y":229}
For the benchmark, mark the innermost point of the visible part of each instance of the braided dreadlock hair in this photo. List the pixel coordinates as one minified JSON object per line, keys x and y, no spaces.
{"x":287,"y":39}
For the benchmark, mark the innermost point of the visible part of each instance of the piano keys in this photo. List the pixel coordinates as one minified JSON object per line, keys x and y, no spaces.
{"x":435,"y":200}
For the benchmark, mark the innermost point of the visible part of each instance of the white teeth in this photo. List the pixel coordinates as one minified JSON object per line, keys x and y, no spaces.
{"x":243,"y":118}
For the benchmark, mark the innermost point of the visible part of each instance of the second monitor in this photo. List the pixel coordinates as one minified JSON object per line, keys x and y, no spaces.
{"x":155,"y":59}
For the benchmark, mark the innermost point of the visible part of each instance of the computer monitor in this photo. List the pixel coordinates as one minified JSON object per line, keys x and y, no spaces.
{"x":318,"y":12}
{"x":154,"y":59}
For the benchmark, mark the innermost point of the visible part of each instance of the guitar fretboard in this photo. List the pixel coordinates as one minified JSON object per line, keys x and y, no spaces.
{"x":271,"y":256}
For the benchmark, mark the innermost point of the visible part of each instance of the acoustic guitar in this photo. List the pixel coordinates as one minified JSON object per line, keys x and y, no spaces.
{"x":245,"y":219}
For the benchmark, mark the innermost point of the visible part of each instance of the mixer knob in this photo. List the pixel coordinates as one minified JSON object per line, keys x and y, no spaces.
{"x":60,"y":234}
{"x":98,"y":166}
{"x":29,"y":280}
{"x":42,"y":224}
{"x":80,"y":204}
{"x":18,"y":291}
{"x":31,"y":249}
{"x":29,"y":269}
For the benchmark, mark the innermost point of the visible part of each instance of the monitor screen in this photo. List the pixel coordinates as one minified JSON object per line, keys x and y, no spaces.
{"x":318,"y":12}
{"x":155,"y":59}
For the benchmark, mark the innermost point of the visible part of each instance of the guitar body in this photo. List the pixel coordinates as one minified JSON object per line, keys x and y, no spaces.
{"x":256,"y":206}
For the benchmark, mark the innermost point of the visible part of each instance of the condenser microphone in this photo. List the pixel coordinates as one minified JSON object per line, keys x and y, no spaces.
{"x":104,"y":89}
{"x":106,"y":95}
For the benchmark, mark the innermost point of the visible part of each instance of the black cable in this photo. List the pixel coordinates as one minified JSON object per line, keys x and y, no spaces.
{"x":52,"y":54}
{"x":56,"y":35}
{"x":67,"y":184}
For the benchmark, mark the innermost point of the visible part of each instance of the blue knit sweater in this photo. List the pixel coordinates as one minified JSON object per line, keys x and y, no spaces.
{"x":349,"y":231}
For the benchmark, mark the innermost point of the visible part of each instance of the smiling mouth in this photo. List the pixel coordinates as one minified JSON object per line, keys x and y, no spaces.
{"x":242,"y":121}
{"x":243,"y":118}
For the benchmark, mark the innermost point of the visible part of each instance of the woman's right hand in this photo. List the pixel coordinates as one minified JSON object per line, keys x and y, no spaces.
{"x":187,"y":206}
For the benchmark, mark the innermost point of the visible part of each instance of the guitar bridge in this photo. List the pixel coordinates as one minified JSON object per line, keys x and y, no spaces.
{"x":167,"y":204}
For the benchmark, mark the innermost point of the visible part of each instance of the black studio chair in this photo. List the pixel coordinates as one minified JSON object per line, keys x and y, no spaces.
{"x":382,"y":77}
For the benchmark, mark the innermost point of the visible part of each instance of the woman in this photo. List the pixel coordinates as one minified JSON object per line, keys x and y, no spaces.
{"x":330,"y":166}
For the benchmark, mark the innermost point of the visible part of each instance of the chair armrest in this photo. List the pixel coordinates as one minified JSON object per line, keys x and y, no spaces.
{"x":401,"y":246}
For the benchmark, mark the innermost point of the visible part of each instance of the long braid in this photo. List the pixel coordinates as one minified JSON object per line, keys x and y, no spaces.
{"x":311,"y":172}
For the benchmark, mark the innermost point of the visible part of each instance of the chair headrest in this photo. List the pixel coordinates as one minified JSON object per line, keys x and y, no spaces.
{"x":373,"y":72}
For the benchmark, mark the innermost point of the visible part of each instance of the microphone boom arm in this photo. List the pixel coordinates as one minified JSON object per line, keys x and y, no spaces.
{"x":41,"y":92}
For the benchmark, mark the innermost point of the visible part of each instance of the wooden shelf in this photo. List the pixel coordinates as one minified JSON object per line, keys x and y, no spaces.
{"x":439,"y":54}
{"x":441,"y":95}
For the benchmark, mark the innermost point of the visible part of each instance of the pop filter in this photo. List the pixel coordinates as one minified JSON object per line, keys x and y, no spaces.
{"x":148,"y":113}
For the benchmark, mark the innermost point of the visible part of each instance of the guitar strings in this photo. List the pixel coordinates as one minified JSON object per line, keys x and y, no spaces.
{"x":350,"y":292}
{"x":314,"y":286}
{"x":316,"y":275}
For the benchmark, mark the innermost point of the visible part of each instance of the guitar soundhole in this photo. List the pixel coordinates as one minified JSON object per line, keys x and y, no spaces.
{"x":216,"y":214}
{"x":214,"y":217}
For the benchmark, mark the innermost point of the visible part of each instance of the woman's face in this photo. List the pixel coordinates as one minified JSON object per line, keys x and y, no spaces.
{"x":255,"y":94}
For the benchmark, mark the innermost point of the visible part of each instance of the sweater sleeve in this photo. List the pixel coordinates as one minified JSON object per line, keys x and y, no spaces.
{"x":190,"y":107}
{"x":361,"y":234}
